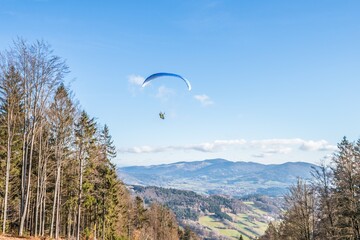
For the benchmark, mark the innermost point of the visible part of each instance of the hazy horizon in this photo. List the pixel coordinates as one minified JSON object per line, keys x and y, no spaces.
{"x":169,"y":163}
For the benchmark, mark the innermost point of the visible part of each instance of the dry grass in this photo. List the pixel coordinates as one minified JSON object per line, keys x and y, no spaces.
{"x":9,"y":237}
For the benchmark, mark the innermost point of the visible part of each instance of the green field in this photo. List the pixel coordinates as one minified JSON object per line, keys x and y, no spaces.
{"x":250,"y":224}
{"x":219,"y":227}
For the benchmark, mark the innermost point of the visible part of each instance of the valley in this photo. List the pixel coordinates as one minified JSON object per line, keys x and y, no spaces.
{"x":217,"y":198}
{"x":215,"y":216}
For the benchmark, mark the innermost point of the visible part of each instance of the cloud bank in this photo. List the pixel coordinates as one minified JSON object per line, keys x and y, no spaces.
{"x":264,"y":148}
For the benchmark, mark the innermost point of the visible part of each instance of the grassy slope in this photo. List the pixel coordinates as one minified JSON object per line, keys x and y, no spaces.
{"x":250,"y":225}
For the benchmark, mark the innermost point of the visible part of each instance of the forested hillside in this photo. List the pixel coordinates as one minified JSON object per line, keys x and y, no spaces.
{"x":215,"y":216}
{"x":56,"y":175}
{"x":328,"y":206}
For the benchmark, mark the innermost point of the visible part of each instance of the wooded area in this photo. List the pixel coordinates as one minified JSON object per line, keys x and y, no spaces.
{"x":56,"y":175}
{"x":327,"y":206}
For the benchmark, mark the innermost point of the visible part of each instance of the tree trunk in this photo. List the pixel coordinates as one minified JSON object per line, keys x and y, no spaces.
{"x":24,"y":213}
{"x":38,"y":187}
{"x":55,"y":200}
{"x":9,"y":140}
{"x":23,"y":177}
{"x":57,"y":223}
{"x":44,"y":197}
{"x":74,"y":228}
{"x":69,"y":224}
{"x":103,"y":217}
{"x":79,"y":199}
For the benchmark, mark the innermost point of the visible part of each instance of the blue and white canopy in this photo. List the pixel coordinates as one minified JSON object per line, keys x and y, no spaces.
{"x":163,"y":74}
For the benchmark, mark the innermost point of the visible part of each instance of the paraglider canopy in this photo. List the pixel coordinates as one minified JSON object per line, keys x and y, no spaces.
{"x":163,"y":74}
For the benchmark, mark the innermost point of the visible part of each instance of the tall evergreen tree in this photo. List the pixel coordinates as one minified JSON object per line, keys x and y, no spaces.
{"x":10,"y":115}
{"x":85,"y":130}
{"x":108,"y":178}
{"x":61,"y":117}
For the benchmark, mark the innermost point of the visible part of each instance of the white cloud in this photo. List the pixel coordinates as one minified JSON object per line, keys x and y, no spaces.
{"x":204,"y":99}
{"x":143,"y":149}
{"x":136,"y":79}
{"x":304,"y":145}
{"x":321,"y":145}
{"x":202,"y":147}
{"x":217,"y":145}
{"x":262,"y":148}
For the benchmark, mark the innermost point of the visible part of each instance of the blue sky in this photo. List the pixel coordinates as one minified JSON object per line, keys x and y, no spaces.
{"x":273,"y":81}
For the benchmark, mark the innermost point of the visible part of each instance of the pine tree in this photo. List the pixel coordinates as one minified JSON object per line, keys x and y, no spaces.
{"x":140,"y":214}
{"x":85,"y":130}
{"x":106,"y":183}
{"x":61,"y":117}
{"x":10,"y":116}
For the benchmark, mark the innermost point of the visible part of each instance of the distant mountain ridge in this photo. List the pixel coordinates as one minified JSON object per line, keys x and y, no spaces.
{"x":219,"y":176}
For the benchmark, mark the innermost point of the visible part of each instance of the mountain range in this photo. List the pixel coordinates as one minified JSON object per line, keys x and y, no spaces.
{"x":219,"y":176}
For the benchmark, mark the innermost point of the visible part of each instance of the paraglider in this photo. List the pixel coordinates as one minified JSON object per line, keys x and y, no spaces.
{"x":163,"y":74}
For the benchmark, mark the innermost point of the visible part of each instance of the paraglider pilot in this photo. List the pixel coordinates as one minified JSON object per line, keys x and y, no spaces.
{"x":162,"y":115}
